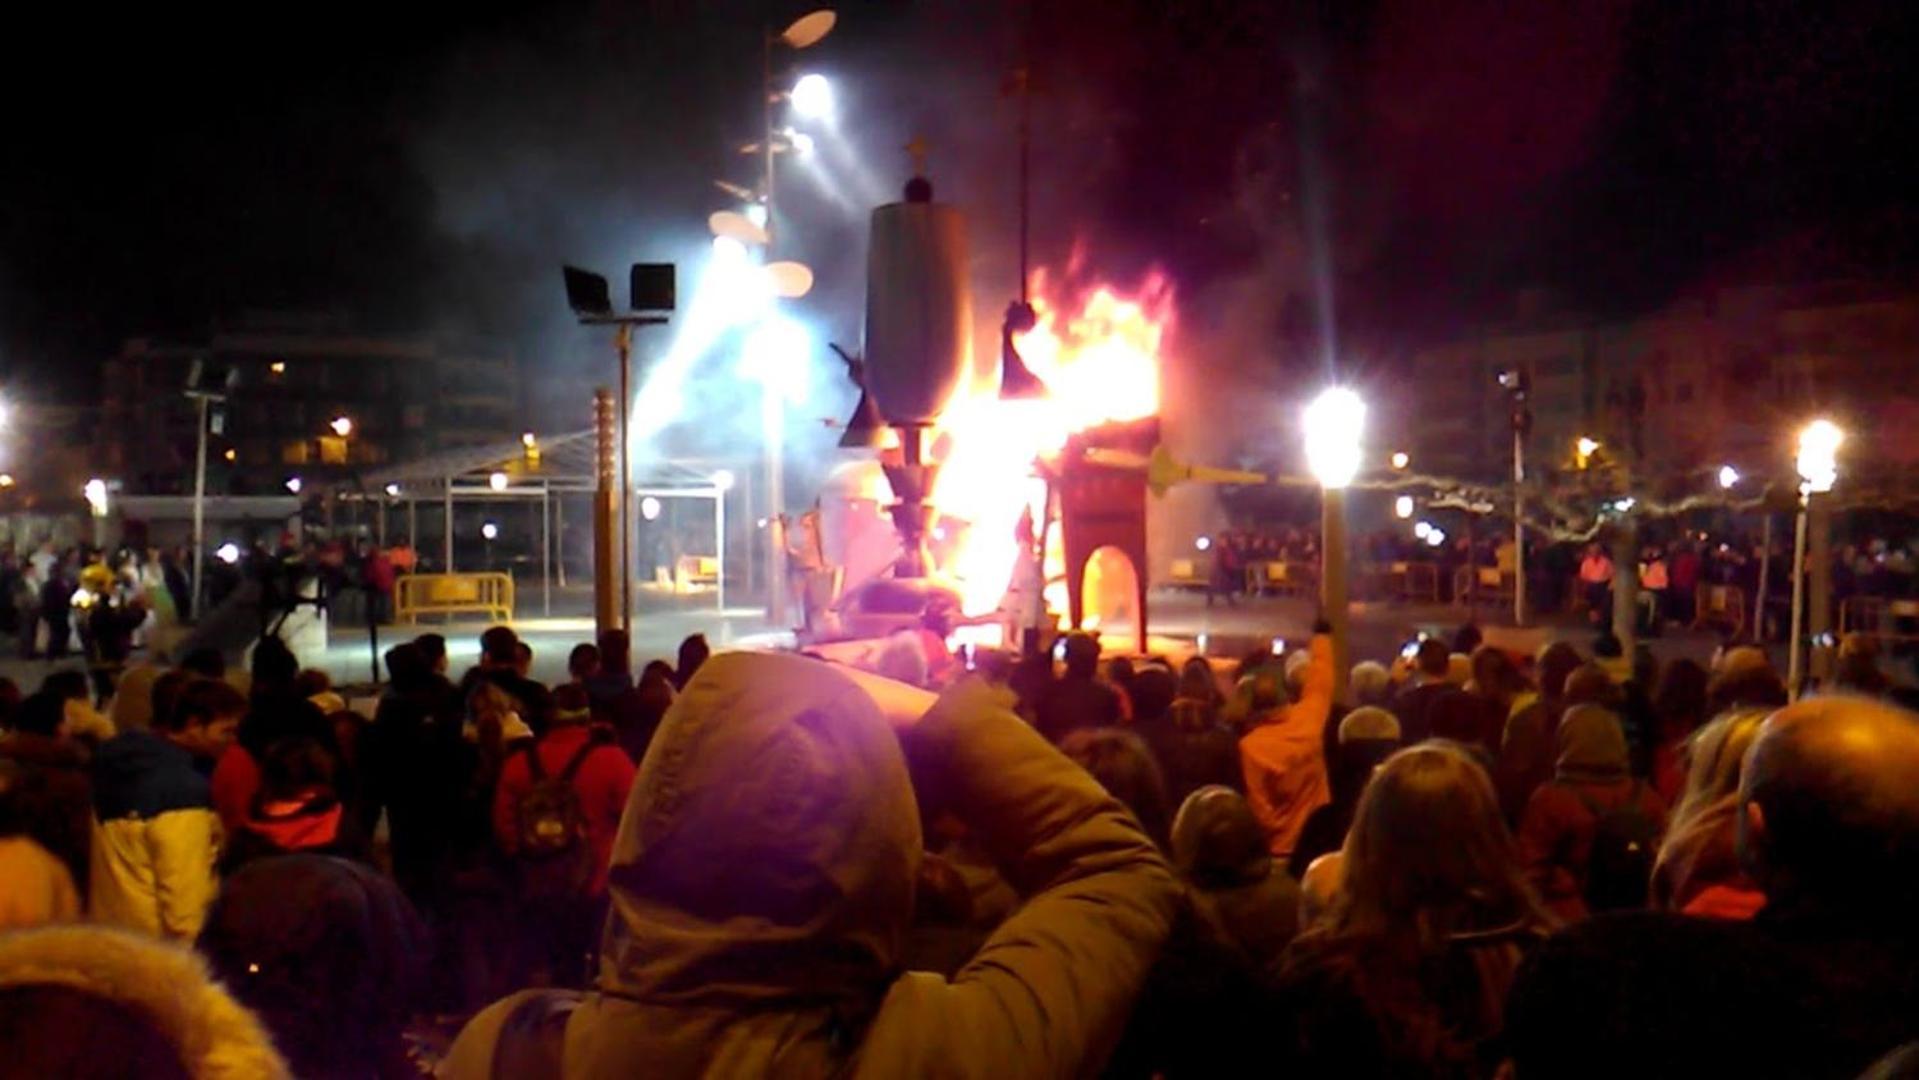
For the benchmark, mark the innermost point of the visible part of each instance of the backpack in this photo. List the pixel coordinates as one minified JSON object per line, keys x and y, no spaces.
{"x":1625,"y":842}
{"x":554,"y":856}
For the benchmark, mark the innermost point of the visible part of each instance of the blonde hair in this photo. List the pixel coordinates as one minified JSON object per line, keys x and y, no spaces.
{"x":1716,"y":755}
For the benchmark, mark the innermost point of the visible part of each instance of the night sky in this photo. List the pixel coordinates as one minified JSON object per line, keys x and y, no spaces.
{"x":429,"y":170}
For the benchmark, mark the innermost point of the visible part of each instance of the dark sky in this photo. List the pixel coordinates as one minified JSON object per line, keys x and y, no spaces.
{"x":429,"y":168}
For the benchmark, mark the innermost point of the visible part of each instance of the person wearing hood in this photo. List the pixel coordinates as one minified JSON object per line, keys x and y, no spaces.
{"x":92,"y":1001}
{"x":54,"y":797}
{"x":331,"y":957}
{"x":1591,"y":781}
{"x":759,"y":912}
{"x":132,"y":708}
{"x":1240,"y":892}
{"x":1367,"y":736}
{"x":158,"y":837}
{"x":1283,"y":758}
{"x":298,"y":809}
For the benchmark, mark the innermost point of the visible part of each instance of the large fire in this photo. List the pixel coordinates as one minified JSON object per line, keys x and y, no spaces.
{"x":1097,"y":349}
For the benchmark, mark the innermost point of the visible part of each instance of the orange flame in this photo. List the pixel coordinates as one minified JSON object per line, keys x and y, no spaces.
{"x":1098,"y":352}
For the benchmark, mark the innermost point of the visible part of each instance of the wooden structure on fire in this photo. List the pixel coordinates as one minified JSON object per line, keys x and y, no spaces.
{"x":1104,"y":505}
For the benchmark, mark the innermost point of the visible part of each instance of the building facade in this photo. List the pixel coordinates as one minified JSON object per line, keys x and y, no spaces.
{"x":1724,"y":379}
{"x":286,"y":382}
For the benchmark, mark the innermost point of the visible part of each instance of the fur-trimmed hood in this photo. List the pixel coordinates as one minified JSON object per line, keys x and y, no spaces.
{"x":168,"y":985}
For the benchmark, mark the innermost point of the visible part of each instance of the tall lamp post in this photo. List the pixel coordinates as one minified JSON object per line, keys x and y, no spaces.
{"x":1334,"y":422}
{"x":811,"y":96}
{"x":1518,"y":388}
{"x":1818,"y":465}
{"x":652,"y":293}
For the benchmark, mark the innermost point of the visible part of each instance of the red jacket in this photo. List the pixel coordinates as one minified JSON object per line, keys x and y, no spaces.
{"x":603,"y":781}
{"x":236,"y":780}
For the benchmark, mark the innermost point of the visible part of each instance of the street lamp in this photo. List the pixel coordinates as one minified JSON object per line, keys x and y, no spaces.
{"x":652,"y":293}
{"x":1583,"y":450}
{"x":1518,"y":386}
{"x":1818,"y":464}
{"x":1401,"y":459}
{"x":342,"y":426}
{"x":812,"y":97}
{"x":498,"y":481}
{"x":1728,"y":477}
{"x":1333,"y":423}
{"x":293,"y":484}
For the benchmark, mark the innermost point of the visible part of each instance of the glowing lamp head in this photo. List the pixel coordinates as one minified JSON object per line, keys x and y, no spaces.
{"x":1818,"y":460}
{"x":278,"y":367}
{"x":1728,"y":477}
{"x":1583,"y":449}
{"x":1204,"y":543}
{"x":96,"y":496}
{"x":723,"y":479}
{"x":1403,"y":507}
{"x":342,"y":426}
{"x":1436,"y":538}
{"x":1333,"y":424}
{"x":1423,"y":529}
{"x":228,"y":553}
{"x":1401,"y":459}
{"x":294,"y":485}
{"x":6,"y":479}
{"x":650,"y":508}
{"x":489,"y":531}
{"x":393,"y":491}
{"x":497,"y":481}
{"x":800,"y":141}
{"x":813,"y":97}
{"x":529,"y":440}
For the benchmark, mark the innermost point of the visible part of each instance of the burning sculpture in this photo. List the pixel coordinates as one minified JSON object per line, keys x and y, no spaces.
{"x":973,"y":471}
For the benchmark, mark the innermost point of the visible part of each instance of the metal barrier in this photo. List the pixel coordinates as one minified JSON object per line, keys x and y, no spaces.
{"x":1407,"y":581}
{"x":1492,"y":587}
{"x":1880,"y":617}
{"x":415,"y":595}
{"x":1184,"y":574}
{"x":1274,"y":578}
{"x":696,"y":571}
{"x":1720,"y":605}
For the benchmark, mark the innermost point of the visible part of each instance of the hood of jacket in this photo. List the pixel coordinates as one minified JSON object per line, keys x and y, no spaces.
{"x":767,"y":853}
{"x":166,"y":985}
{"x":1592,"y":745}
{"x":140,"y":774}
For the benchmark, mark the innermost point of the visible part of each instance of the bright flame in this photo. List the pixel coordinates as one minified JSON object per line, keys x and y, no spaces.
{"x":1099,"y":356}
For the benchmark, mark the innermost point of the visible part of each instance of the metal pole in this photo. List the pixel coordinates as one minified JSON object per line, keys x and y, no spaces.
{"x":772,"y":420}
{"x":546,"y":548}
{"x":1625,"y":587}
{"x":1796,"y":648}
{"x":199,"y":505}
{"x":1519,"y":526}
{"x":559,"y":538}
{"x":448,"y":567}
{"x":719,"y":547}
{"x":1332,"y":581}
{"x":773,"y":427}
{"x":1765,"y":573}
{"x":626,"y":482}
{"x":1818,"y":579}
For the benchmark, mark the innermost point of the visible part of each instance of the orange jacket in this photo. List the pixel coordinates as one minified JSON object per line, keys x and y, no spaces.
{"x":1284,"y":760}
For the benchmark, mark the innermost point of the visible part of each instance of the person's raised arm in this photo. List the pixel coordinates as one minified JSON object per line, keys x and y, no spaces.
{"x":1049,"y":993}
